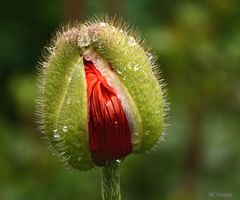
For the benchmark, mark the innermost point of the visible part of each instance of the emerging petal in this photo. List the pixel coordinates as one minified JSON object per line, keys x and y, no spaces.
{"x":109,"y":132}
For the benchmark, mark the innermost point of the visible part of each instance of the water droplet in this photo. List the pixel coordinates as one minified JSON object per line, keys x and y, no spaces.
{"x":87,"y":57}
{"x":50,"y":49}
{"x":56,"y":134}
{"x":65,"y":129}
{"x":131,"y":41}
{"x":79,"y":158}
{"x":136,"y":139}
{"x":100,"y":46}
{"x":78,"y":101}
{"x":147,"y":132}
{"x":69,"y":79}
{"x":118,"y":160}
{"x":116,"y":123}
{"x":45,"y":64}
{"x":68,"y":101}
{"x":102,"y":24}
{"x":94,"y":38}
{"x":83,"y":40}
{"x":150,"y":56}
{"x":119,"y":71}
{"x":163,"y":139}
{"x":136,"y":67}
{"x":135,"y":133}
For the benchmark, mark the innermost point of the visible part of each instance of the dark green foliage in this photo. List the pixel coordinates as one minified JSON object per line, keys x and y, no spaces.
{"x":198,"y":44}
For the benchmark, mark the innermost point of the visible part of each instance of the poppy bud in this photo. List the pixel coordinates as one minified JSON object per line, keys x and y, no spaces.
{"x":100,"y":98}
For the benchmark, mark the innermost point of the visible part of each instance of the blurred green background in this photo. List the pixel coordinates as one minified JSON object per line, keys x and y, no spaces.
{"x":198,"y":44}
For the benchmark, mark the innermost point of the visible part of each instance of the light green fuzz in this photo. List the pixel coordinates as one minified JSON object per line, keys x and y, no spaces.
{"x":63,"y":102}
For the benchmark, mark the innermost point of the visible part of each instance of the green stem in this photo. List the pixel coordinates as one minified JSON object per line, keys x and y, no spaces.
{"x":110,"y":181}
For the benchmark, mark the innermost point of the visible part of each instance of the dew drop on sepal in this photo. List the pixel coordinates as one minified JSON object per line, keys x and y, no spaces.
{"x":119,"y":71}
{"x":131,"y":41}
{"x":56,"y":134}
{"x":102,"y":24}
{"x":68,"y":101}
{"x":65,"y":129}
{"x":147,"y":132}
{"x":94,"y":38}
{"x":45,"y":64}
{"x":69,"y":79}
{"x":83,"y":40}
{"x":136,"y":67}
{"x":135,"y":138}
{"x":135,"y":133}
{"x":150,"y":56}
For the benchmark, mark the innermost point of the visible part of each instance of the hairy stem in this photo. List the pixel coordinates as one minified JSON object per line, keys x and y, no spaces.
{"x":111,"y":181}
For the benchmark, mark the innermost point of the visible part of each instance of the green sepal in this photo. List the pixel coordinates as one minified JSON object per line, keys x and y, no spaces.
{"x":63,"y":103}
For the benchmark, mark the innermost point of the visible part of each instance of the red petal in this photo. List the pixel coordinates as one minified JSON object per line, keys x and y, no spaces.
{"x":109,"y":133}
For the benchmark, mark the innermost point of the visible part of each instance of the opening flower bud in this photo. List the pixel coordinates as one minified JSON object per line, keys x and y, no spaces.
{"x":100,"y":98}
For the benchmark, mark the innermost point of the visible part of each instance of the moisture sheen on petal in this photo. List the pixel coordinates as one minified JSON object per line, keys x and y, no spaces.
{"x":109,"y":132}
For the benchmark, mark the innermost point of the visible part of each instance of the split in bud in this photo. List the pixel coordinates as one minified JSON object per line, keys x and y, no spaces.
{"x":109,"y":133}
{"x":100,"y":97}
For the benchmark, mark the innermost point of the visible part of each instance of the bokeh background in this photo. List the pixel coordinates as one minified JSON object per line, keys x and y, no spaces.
{"x":198,"y":44}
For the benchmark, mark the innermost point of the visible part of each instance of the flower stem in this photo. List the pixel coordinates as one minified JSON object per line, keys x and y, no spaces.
{"x":111,"y":181}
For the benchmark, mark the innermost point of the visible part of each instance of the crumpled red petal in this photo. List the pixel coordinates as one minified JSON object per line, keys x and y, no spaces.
{"x":109,"y":132}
